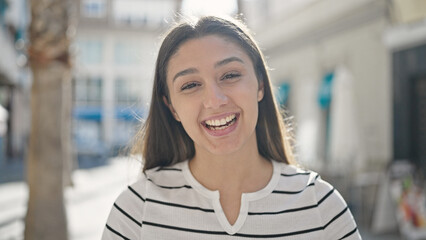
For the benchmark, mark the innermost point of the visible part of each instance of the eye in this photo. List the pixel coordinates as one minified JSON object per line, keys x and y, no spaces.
{"x":231,"y":75}
{"x":189,"y":85}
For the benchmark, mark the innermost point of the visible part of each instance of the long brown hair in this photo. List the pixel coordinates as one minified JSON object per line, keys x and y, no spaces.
{"x":162,"y":140}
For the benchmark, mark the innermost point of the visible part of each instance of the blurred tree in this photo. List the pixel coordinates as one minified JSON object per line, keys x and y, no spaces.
{"x":49,"y":154}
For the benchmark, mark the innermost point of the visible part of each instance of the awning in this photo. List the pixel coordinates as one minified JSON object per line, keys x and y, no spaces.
{"x":282,"y":93}
{"x":325,"y":91}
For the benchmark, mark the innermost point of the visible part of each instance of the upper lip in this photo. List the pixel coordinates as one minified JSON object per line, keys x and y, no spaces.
{"x":219,"y":116}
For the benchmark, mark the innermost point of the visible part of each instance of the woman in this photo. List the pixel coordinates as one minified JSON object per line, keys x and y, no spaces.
{"x":217,"y":158}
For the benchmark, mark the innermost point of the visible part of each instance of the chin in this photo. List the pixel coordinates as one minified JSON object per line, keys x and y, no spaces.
{"x":224,"y":150}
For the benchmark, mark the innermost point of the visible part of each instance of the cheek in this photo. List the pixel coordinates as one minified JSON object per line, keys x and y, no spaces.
{"x":250,"y":101}
{"x":248,"y":94}
{"x":187,"y":112}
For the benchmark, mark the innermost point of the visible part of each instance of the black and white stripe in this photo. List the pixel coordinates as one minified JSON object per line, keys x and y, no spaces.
{"x":163,"y":206}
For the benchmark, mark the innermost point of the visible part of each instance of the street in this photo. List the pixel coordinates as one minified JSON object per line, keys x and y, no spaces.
{"x":87,"y":203}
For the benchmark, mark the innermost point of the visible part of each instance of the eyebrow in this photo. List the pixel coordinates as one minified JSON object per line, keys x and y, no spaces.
{"x":218,"y":64}
{"x":185,"y":72}
{"x":228,"y":60}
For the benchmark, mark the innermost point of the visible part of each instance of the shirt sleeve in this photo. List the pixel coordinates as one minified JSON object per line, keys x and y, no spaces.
{"x":125,"y":218}
{"x":338,"y":221}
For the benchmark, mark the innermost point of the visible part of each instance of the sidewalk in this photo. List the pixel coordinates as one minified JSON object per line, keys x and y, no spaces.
{"x":87,"y":203}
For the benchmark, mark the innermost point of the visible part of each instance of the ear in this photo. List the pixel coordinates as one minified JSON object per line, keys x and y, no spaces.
{"x":260,"y":91}
{"x":172,"y":110}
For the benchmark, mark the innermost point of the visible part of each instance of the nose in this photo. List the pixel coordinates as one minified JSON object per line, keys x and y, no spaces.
{"x":214,"y":96}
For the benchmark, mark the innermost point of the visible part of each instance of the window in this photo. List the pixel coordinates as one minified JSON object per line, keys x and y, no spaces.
{"x":141,"y":13}
{"x":93,"y":8}
{"x":127,"y":91}
{"x":209,"y":7}
{"x":88,"y":91}
{"x":126,"y":53}
{"x":90,"y":52}
{"x":123,"y":131}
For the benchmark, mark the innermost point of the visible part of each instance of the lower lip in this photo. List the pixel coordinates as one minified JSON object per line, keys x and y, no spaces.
{"x":223,"y":132}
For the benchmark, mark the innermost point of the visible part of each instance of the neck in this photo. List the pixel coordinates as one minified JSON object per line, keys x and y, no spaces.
{"x":242,"y":171}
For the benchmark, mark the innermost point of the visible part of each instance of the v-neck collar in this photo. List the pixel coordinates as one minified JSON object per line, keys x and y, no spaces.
{"x":214,"y":196}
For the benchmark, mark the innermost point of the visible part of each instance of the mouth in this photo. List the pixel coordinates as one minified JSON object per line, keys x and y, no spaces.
{"x":222,"y":123}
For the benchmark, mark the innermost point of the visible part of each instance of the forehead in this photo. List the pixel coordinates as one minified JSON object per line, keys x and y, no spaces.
{"x":213,"y":40}
{"x":205,"y":50}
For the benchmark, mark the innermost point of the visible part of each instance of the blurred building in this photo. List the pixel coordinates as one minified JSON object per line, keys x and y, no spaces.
{"x":116,"y":44}
{"x":355,"y":74}
{"x":115,"y":48}
{"x":15,"y":80}
{"x":306,"y":40}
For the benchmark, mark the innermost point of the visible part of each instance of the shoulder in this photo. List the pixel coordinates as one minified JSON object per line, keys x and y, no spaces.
{"x":336,"y":217}
{"x":127,"y":213}
{"x":309,"y":187}
{"x":125,"y":218}
{"x":294,"y":179}
{"x":134,"y":193}
{"x":298,"y":178}
{"x":167,"y":177}
{"x":169,"y":171}
{"x":159,"y":176}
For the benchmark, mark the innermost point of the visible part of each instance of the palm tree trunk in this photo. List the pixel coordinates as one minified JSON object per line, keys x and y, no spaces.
{"x":46,"y":218}
{"x":50,"y":138}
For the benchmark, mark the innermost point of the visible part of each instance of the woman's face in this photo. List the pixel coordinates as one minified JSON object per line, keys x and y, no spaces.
{"x":214,"y":93}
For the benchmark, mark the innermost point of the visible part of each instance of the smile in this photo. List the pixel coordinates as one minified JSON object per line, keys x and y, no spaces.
{"x":220,"y":124}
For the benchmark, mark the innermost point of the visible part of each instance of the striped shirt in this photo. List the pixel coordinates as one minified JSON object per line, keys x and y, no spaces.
{"x":169,"y":203}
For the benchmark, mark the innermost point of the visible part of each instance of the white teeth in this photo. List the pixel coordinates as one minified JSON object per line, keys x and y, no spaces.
{"x":220,"y":122}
